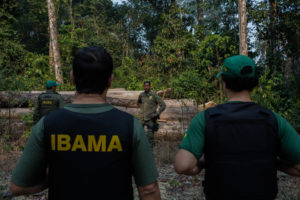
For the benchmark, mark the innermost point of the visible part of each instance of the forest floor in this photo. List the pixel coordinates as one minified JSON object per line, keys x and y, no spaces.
{"x":172,"y":185}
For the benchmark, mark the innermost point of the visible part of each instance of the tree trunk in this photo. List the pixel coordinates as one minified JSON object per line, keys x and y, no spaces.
{"x":51,"y":61}
{"x":271,"y":51}
{"x":200,"y":11}
{"x":266,"y":44}
{"x":54,"y":40}
{"x":71,"y":14}
{"x":272,"y":10}
{"x":173,"y":3}
{"x":288,"y":68}
{"x":243,"y":27}
{"x":180,"y":10}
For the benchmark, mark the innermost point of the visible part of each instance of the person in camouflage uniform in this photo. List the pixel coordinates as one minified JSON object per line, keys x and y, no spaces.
{"x":148,"y":102}
{"x":48,"y":101}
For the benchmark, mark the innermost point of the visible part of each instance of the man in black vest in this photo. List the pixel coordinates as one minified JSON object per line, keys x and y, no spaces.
{"x":88,"y":149}
{"x":47,"y":101}
{"x":240,"y":141}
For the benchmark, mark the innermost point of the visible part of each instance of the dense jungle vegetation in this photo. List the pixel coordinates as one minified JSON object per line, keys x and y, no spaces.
{"x":175,"y":44}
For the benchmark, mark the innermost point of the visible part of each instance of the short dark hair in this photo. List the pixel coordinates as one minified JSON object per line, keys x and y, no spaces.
{"x":238,"y":84}
{"x":147,"y":82}
{"x":92,"y":68}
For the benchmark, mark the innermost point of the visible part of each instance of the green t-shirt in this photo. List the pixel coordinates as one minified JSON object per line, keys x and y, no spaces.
{"x":289,"y":151}
{"x":31,"y":167}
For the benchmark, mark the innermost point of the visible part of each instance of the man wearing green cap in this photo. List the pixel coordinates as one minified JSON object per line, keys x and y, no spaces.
{"x":47,"y":101}
{"x":243,"y":143}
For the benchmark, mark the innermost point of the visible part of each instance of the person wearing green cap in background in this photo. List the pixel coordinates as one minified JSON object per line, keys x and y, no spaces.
{"x":47,"y":101}
{"x":243,"y":143}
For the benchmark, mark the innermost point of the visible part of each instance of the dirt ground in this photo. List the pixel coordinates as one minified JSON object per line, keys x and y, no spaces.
{"x":172,"y":185}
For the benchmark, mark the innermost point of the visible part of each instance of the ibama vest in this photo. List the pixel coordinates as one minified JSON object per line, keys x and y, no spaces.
{"x":89,"y":155}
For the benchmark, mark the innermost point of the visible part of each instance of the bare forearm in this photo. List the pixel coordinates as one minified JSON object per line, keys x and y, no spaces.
{"x":186,"y":163}
{"x":18,"y":190}
{"x":193,"y":171}
{"x":290,"y":170}
{"x":149,"y":192}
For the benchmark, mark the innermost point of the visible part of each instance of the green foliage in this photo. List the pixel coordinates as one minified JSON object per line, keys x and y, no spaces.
{"x":36,"y":72}
{"x":173,"y":183}
{"x":32,"y":25}
{"x":212,"y":51}
{"x":199,"y":83}
{"x":160,"y":41}
{"x":28,"y":118}
{"x":277,"y":94}
{"x":190,"y":84}
{"x":70,"y":40}
{"x":172,"y":46}
{"x":8,"y":147}
{"x":127,"y":70}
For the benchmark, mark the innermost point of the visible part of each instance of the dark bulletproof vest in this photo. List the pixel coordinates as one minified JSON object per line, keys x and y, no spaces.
{"x":241,"y":145}
{"x":48,"y":102}
{"x":81,"y":164}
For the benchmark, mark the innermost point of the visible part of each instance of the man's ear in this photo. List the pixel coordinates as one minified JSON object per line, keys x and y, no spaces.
{"x":223,"y":85}
{"x":110,"y":80}
{"x":225,"y":90}
{"x":72,"y":77}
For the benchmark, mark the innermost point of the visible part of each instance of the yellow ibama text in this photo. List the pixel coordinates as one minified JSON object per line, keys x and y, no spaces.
{"x":62,"y":142}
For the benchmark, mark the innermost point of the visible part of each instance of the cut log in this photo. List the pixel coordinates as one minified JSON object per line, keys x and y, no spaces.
{"x":173,"y":122}
{"x":165,"y":93}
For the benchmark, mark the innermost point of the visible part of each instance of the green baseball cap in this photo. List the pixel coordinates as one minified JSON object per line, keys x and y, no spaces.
{"x":51,"y":84}
{"x":238,"y":66}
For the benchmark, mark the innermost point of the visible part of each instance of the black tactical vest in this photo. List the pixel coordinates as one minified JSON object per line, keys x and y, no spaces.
{"x":48,"y":102}
{"x":241,"y":145}
{"x":89,"y":155}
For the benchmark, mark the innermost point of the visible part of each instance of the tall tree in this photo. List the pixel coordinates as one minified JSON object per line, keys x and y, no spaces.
{"x":71,"y":14}
{"x":51,"y":60}
{"x":271,"y":34}
{"x":200,"y":12}
{"x":273,"y":17}
{"x":243,"y":27}
{"x":54,"y":41}
{"x":173,"y":2}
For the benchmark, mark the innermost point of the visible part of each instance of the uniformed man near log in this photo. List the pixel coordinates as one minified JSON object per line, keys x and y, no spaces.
{"x":243,"y":143}
{"x":89,"y":149}
{"x":47,"y":101}
{"x":148,"y":102}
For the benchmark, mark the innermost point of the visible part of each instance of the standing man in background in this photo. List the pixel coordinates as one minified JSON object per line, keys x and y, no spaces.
{"x":48,"y":101}
{"x":148,"y":102}
{"x":243,"y":143}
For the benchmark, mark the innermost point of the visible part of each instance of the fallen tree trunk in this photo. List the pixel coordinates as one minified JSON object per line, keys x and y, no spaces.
{"x":173,"y":121}
{"x":115,"y":97}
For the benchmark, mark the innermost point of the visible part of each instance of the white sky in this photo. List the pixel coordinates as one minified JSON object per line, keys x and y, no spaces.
{"x":118,"y":1}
